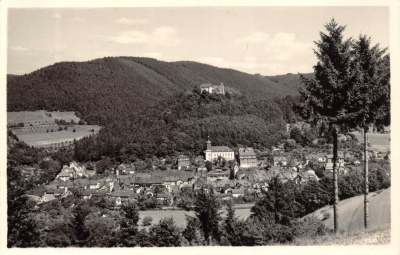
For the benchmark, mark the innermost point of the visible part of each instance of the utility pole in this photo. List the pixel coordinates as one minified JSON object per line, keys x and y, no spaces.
{"x":366,"y":184}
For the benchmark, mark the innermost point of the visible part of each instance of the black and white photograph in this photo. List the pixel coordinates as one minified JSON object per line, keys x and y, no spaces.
{"x":208,"y":127}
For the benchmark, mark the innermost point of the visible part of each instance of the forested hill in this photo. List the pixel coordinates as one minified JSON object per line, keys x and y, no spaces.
{"x":110,"y":88}
{"x":289,"y":81}
{"x":182,"y":124}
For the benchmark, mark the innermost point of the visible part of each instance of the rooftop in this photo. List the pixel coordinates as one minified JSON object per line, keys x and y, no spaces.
{"x":221,"y":149}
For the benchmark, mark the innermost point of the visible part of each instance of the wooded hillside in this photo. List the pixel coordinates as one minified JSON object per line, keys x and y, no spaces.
{"x":112,"y":88}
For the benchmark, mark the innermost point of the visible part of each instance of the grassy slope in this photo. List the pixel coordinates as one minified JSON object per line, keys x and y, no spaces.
{"x":377,"y":236}
{"x":351,"y":212}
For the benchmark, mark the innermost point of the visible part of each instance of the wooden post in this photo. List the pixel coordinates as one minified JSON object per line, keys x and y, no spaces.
{"x":366,"y":184}
{"x":335,"y":183}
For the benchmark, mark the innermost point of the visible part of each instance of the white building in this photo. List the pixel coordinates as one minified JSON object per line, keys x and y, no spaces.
{"x":213,"y":152}
{"x":217,"y":89}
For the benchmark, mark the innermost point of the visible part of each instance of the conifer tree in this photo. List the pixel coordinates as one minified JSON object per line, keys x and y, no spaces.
{"x":324,"y":95}
{"x":206,"y":210}
{"x":165,"y":233}
{"x":129,"y":225}
{"x":81,"y":233}
{"x":279,"y":201}
{"x":230,"y":226}
{"x":369,"y":96}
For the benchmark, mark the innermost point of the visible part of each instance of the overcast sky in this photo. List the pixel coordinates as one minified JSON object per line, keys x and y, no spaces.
{"x":265,"y":40}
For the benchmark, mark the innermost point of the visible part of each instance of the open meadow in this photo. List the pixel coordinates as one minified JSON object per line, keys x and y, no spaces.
{"x":179,"y":216}
{"x":379,"y":142}
{"x":45,"y":139}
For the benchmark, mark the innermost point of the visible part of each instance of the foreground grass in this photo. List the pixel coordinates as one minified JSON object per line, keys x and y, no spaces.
{"x":379,"y":236}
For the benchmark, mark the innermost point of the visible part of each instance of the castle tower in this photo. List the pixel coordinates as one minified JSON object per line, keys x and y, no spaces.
{"x":222,"y":88}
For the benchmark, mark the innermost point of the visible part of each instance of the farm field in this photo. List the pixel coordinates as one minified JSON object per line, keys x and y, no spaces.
{"x":179,"y":216}
{"x":41,"y":116}
{"x":46,"y":139}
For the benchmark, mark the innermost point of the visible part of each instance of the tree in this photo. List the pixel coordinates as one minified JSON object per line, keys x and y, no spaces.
{"x":206,"y":210}
{"x":165,"y":233}
{"x":278,"y":200}
{"x":81,"y":233}
{"x":208,"y":165}
{"x":192,"y":232}
{"x":230,"y":225}
{"x":324,"y":95}
{"x":289,"y":145}
{"x":295,"y":134}
{"x":308,"y":136}
{"x":129,"y":224}
{"x":369,"y":101}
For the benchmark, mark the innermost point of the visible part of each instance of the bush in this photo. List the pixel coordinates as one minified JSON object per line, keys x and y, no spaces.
{"x":327,"y":215}
{"x":385,"y":184}
{"x":147,"y":221}
{"x":310,"y":226}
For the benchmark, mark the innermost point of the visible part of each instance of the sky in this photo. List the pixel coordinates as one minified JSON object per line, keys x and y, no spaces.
{"x":265,"y":40}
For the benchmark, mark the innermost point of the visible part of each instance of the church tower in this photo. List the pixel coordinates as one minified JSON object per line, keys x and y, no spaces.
{"x":208,"y":151}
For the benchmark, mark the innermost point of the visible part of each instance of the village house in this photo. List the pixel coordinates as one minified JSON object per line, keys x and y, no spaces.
{"x":183,"y":162}
{"x":280,"y":161}
{"x":63,"y":176}
{"x":47,"y":197}
{"x":247,"y":157}
{"x":126,"y":169}
{"x":238,"y":192}
{"x":213,"y":152}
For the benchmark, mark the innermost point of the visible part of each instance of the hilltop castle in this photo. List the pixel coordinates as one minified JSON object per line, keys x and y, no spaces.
{"x":217,"y":89}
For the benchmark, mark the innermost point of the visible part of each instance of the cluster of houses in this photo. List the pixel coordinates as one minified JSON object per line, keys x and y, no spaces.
{"x":128,"y":185}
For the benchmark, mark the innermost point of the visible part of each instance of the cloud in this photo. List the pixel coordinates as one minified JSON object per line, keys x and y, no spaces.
{"x":284,"y":47}
{"x":130,"y":21}
{"x":18,"y":48}
{"x":160,"y":36}
{"x":78,"y":19}
{"x":257,"y":37}
{"x":57,"y":16}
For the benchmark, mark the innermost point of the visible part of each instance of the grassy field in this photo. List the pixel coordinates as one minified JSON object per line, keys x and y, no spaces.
{"x":46,"y":139}
{"x":380,"y":142}
{"x":179,"y":216}
{"x":379,"y":236}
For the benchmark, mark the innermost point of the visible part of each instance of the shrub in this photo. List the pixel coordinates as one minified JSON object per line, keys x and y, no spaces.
{"x":147,"y":221}
{"x":310,"y":226}
{"x":327,"y":215}
{"x":385,"y":184}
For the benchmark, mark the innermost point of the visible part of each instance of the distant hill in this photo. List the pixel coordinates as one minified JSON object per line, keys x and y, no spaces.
{"x":289,"y":81}
{"x":105,"y":88}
